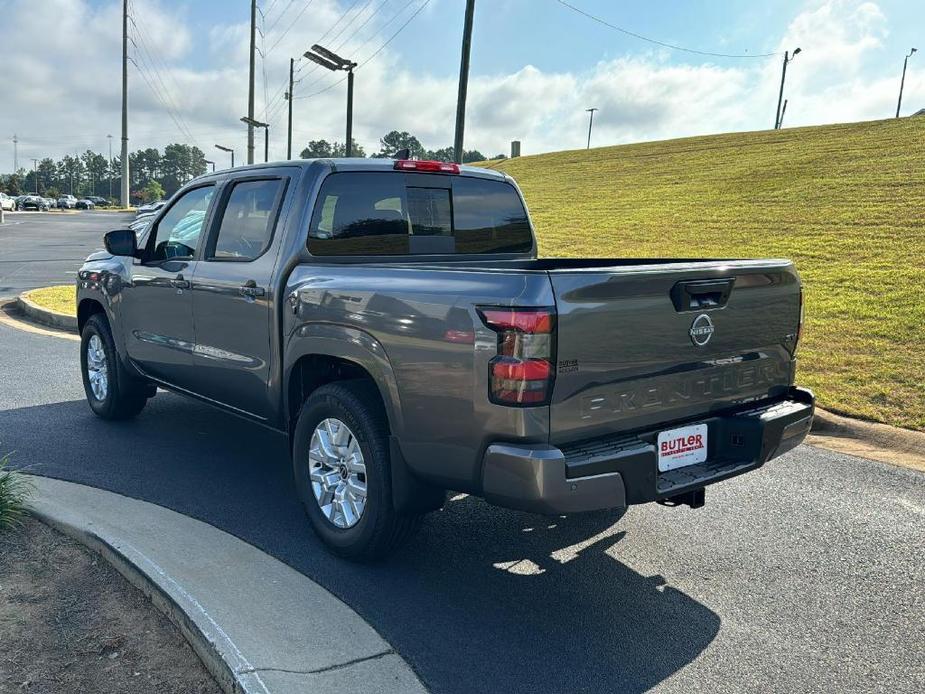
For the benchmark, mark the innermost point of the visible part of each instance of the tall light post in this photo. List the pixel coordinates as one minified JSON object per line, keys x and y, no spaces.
{"x":251,"y":123}
{"x":109,"y":137}
{"x":590,"y":123}
{"x":35,"y":174}
{"x":783,"y":76}
{"x":227,"y":149}
{"x":330,"y":60}
{"x":209,"y":161}
{"x":902,"y":82}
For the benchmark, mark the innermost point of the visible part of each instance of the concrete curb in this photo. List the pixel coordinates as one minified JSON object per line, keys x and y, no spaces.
{"x":258,"y":625}
{"x":45,"y":316}
{"x":881,"y":442}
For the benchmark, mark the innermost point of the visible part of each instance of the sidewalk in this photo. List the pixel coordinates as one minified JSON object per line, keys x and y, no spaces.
{"x":258,"y":625}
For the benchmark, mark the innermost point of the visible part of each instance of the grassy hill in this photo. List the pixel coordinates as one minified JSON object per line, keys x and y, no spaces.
{"x":846,"y":202}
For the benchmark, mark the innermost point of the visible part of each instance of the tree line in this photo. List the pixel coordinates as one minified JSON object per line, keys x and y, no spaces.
{"x":389,"y":145}
{"x":153,"y":174}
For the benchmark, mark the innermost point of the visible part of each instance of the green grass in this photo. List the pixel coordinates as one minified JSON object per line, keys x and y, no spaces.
{"x":14,"y":492}
{"x":59,"y":298}
{"x":845,"y":202}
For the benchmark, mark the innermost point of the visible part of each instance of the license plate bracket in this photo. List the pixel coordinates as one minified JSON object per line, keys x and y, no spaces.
{"x":682,"y":447}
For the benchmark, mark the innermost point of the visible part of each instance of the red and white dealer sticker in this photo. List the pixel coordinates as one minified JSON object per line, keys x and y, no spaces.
{"x":681,"y":447}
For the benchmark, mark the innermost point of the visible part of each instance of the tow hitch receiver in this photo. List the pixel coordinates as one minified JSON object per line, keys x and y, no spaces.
{"x":694,"y":498}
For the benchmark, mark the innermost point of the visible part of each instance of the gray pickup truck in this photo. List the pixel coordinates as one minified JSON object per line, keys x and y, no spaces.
{"x":392,"y":319}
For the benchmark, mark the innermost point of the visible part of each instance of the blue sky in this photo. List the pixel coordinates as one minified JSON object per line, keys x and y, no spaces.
{"x":535,"y":66}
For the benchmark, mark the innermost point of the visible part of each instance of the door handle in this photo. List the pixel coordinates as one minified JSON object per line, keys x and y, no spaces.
{"x":251,"y":290}
{"x":180,"y":283}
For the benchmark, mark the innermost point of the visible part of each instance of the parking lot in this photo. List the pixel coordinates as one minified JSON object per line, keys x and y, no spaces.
{"x":803,"y":576}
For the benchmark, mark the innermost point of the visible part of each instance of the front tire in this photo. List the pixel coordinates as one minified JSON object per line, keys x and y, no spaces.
{"x":111,"y":392}
{"x":342,"y":472}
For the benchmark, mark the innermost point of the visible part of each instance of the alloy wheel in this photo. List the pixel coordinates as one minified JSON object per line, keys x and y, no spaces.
{"x":337,"y":472}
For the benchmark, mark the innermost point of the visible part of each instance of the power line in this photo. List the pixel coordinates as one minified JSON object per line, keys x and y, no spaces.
{"x":147,"y":56}
{"x":291,"y":24}
{"x":375,"y":53}
{"x":277,"y":100}
{"x":281,"y":14}
{"x":340,"y":45}
{"x":662,"y":43}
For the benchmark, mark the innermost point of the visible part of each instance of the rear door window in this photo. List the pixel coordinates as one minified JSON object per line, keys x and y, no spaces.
{"x":400,"y":214}
{"x":247,"y":220}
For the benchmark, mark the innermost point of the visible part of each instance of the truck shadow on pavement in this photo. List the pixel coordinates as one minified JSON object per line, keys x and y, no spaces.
{"x":483,"y":599}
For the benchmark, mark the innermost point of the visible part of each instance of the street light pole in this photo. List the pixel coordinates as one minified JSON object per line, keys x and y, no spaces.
{"x":251,"y":123}
{"x":463,"y":82}
{"x":110,"y":167}
{"x":209,"y":161}
{"x":227,"y":149}
{"x":348,"y":151}
{"x":590,"y":123}
{"x":783,"y":76}
{"x":902,"y":82}
{"x":331,"y":61}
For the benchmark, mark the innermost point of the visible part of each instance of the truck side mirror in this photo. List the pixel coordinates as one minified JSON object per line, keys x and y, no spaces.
{"x":121,"y":242}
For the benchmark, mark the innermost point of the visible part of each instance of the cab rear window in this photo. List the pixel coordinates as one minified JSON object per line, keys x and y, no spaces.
{"x":404,"y":214}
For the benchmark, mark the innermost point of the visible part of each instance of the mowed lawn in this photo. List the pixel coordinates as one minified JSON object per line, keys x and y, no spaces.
{"x":845,"y":202}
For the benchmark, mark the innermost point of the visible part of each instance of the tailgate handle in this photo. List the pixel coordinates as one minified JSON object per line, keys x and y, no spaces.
{"x":701,"y":295}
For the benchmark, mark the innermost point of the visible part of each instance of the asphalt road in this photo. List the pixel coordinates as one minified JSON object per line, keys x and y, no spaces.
{"x":42,"y":248}
{"x":805,"y":575}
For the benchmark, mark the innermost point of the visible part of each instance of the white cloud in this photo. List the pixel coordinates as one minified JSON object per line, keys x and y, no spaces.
{"x":63,"y":85}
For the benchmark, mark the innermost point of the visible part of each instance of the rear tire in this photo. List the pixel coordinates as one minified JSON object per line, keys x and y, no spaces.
{"x":378,"y":529}
{"x":111,"y":391}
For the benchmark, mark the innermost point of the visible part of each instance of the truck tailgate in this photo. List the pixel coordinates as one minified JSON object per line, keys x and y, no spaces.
{"x":644,"y":345}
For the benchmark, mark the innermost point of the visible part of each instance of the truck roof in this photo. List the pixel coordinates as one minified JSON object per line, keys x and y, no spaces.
{"x":351,"y":164}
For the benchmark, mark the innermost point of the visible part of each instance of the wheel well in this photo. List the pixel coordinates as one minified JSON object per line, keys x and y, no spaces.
{"x":87,"y":308}
{"x":315,"y":370}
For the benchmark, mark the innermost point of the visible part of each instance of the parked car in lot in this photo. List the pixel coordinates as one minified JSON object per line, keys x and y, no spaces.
{"x":85,"y":204}
{"x":7,"y":203}
{"x":52,"y":204}
{"x":32,"y":202}
{"x":98,"y":201}
{"x":393,"y":319}
{"x":151,"y":207}
{"x":67,"y":202}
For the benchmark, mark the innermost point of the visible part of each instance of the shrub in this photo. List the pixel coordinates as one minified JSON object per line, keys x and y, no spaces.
{"x":14,"y":492}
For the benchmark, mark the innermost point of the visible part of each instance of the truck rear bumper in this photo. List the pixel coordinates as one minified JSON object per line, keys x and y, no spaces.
{"x":616,"y":471}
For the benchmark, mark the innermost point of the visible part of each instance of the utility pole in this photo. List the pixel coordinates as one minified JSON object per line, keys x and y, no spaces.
{"x":15,"y":154}
{"x":780,"y":97}
{"x":903,"y":81}
{"x":590,"y":123}
{"x":250,"y":88}
{"x":35,"y":174}
{"x":463,"y":82}
{"x":110,"y":167}
{"x":124,"y":197}
{"x":289,"y":98}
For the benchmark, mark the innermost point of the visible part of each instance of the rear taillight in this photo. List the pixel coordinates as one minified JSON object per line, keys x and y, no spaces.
{"x":522,"y":373}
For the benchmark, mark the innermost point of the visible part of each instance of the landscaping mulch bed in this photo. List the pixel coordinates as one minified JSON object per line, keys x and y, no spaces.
{"x":69,"y":622}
